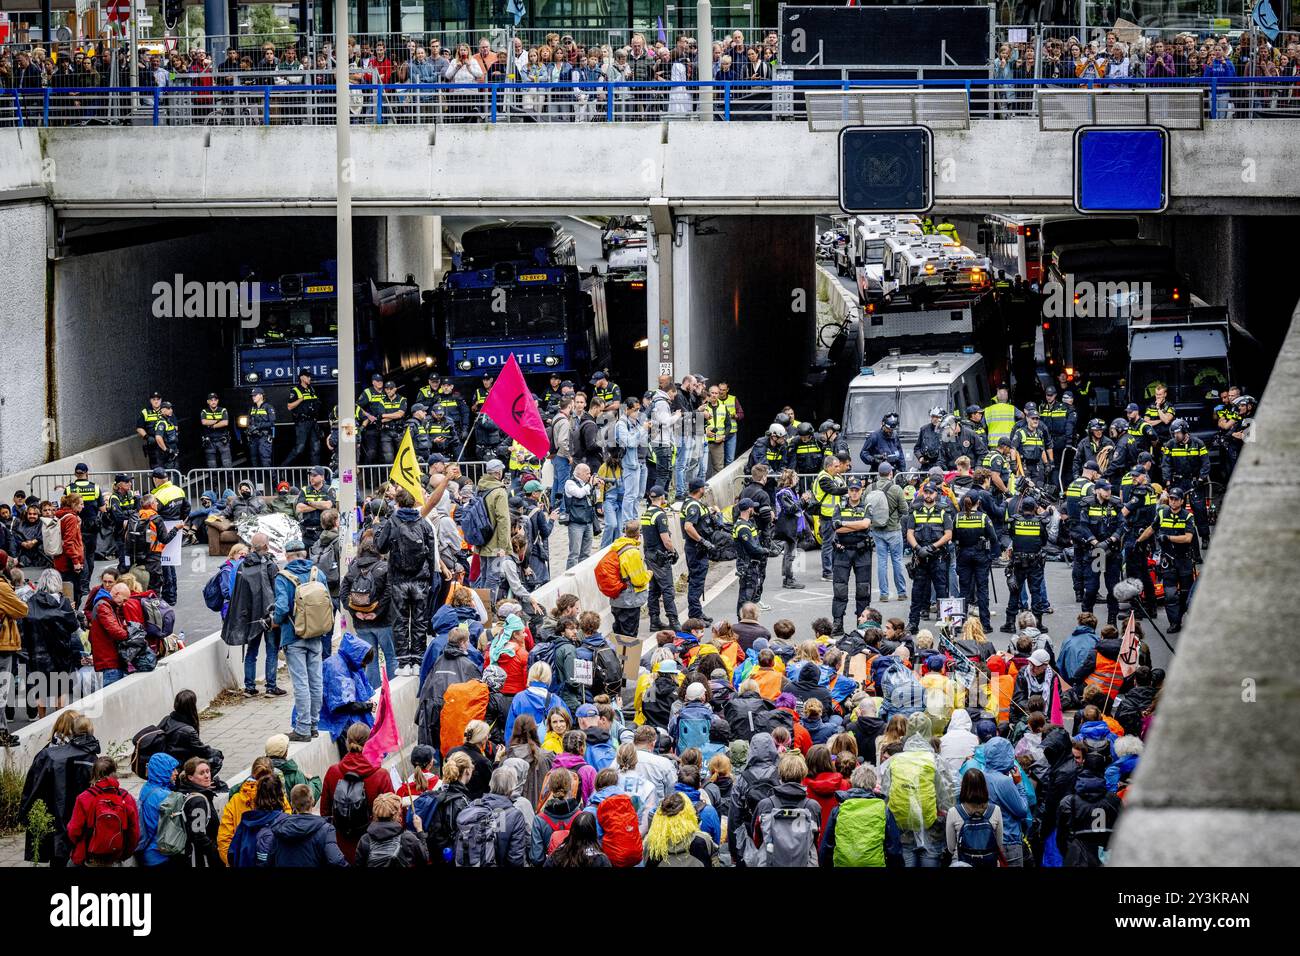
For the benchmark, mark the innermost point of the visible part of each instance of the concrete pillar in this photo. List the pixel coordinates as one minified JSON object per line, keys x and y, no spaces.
{"x":25,"y":438}
{"x":662,"y":281}
{"x":215,"y":27}
{"x":414,"y":243}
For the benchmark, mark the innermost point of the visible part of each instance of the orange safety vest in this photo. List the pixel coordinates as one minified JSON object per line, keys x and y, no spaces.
{"x":1106,"y":675}
{"x":768,"y":681}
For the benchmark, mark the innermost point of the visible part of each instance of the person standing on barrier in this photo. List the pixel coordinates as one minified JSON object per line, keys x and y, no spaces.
{"x":312,"y":502}
{"x":850,"y":531}
{"x":977,"y":542}
{"x":261,"y":430}
{"x":828,"y":491}
{"x":751,"y":556}
{"x":304,"y":405}
{"x":928,"y":529}
{"x":215,"y":422}
{"x":91,"y":510}
{"x":409,"y":544}
{"x":1174,"y":530}
{"x":657,"y":546}
{"x":1028,"y":531}
{"x":146,"y":427}
{"x":1099,"y":535}
{"x":696,"y":525}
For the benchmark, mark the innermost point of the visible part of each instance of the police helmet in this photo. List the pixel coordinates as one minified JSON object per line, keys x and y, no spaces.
{"x":1096,"y":423}
{"x":1119,"y":425}
{"x":805,"y":429}
{"x":776,"y":430}
{"x":890,"y":420}
{"x":1243,"y":401}
{"x":1178,"y":425}
{"x":782,"y":419}
{"x":828,"y":425}
{"x":936,"y":412}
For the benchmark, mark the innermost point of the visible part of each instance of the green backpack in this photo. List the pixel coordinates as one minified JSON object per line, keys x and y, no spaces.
{"x":860,"y":833}
{"x":172,"y":839}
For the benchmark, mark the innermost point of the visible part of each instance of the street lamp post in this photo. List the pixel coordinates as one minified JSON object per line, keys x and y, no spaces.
{"x":343,"y":173}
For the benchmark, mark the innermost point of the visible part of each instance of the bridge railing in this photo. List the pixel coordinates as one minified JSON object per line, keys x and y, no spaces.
{"x":263,"y":100}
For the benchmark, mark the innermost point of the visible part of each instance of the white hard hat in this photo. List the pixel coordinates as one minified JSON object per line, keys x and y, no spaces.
{"x":775,"y":429}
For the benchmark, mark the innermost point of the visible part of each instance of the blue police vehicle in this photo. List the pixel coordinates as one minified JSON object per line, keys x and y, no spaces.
{"x":515,"y":289}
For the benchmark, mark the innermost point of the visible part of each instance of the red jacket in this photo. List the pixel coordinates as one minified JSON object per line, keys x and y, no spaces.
{"x":802,"y":739}
{"x":376,"y":779}
{"x":132,"y":609}
{"x":74,"y":549}
{"x":79,"y":828}
{"x":107,"y":629}
{"x":822,"y":788}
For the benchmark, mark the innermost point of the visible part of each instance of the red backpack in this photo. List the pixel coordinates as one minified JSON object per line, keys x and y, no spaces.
{"x":609,"y":572}
{"x":110,"y":821}
{"x":621,"y":828}
{"x":559,"y":831}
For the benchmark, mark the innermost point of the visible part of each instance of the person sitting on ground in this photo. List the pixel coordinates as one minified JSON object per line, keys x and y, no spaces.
{"x":386,"y":842}
{"x":555,"y":816}
{"x":180,"y":731}
{"x":581,"y":847}
{"x":199,"y":813}
{"x":860,"y":830}
{"x":675,"y":838}
{"x":240,"y":802}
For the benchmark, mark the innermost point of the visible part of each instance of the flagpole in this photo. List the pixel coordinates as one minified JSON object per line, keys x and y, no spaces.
{"x":469,"y":433}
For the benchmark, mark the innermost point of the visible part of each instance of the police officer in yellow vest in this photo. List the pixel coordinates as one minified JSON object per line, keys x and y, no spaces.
{"x":167,"y":438}
{"x":146,"y":427}
{"x":261,"y":429}
{"x":828,"y":492}
{"x":927,"y":530}
{"x":215,"y":422}
{"x":122,"y":503}
{"x":441,"y":432}
{"x":657,"y":548}
{"x":604,"y":389}
{"x":808,"y":451}
{"x":1028,"y":532}
{"x":850,"y":533}
{"x":369,"y":414}
{"x":1033,"y":447}
{"x":945,"y":228}
{"x":1079,"y":489}
{"x":1099,"y":533}
{"x":1000,"y":418}
{"x":481,"y":393}
{"x":521,"y":461}
{"x":88,"y":492}
{"x":172,"y":506}
{"x":393,"y":422}
{"x":1174,"y":530}
{"x":304,"y":405}
{"x":737,"y":413}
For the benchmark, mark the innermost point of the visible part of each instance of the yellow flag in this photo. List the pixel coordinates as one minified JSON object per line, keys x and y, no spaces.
{"x":406,"y":470}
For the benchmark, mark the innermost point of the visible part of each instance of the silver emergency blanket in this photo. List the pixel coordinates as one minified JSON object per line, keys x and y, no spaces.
{"x":281,"y":529}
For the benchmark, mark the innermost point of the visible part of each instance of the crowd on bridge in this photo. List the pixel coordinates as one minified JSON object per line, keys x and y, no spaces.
{"x":547,"y":734}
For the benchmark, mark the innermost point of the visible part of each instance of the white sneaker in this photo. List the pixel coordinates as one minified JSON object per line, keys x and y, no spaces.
{"x":763,"y":606}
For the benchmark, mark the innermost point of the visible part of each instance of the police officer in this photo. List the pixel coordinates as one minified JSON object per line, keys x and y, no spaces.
{"x":428,"y":393}
{"x":828,"y":493}
{"x":808,"y":451}
{"x":393,"y":422}
{"x":261,"y":429}
{"x":959,"y":441}
{"x":1174,"y":531}
{"x":1091,"y":447}
{"x":418,"y":426}
{"x":1139,"y":512}
{"x":927,"y":529}
{"x":215,"y":422}
{"x":997,"y":461}
{"x":304,"y":405}
{"x":928,"y":449}
{"x":977,"y":542}
{"x":444,"y":439}
{"x":1033,"y":447}
{"x":1099,"y":534}
{"x":751,"y":555}
{"x":1028,"y":538}
{"x":850,"y":530}
{"x":1059,"y":420}
{"x":551,"y":397}
{"x":1160,"y":414}
{"x":481,"y":392}
{"x":1000,"y":417}
{"x":146,"y":427}
{"x":454,"y":407}
{"x":313,"y":500}
{"x":832,"y":441}
{"x":369,"y":414}
{"x":757,"y":490}
{"x":167,"y":438}
{"x":979,"y":430}
{"x":696,"y":526}
{"x":605,"y":390}
{"x":172,"y":506}
{"x":1145,"y":464}
{"x":122,"y":504}
{"x":1142,"y":435}
{"x":883,"y":445}
{"x":1079,"y":489}
{"x":1187,"y":464}
{"x":1236,"y":425}
{"x":657,"y":547}
{"x":89,"y":493}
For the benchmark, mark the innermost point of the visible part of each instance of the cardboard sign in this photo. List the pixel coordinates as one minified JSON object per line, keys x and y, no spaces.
{"x":952,"y":612}
{"x":582,"y":671}
{"x":171,"y":556}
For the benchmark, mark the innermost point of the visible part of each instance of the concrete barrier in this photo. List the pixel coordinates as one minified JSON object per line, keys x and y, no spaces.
{"x":207,"y":667}
{"x":121,"y":455}
{"x":828,"y":287}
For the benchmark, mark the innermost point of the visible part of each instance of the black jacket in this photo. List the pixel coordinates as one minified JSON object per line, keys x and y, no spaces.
{"x":201,"y":823}
{"x":411,"y":849}
{"x":440,"y":834}
{"x":376,"y":568}
{"x":804,"y":689}
{"x":58,"y":775}
{"x":482,"y":774}
{"x":658,"y":711}
{"x":182,"y":741}
{"x":453,"y":667}
{"x":302,"y":840}
{"x":50,"y":634}
{"x":251,"y":598}
{"x":747,"y":714}
{"x":400,"y":532}
{"x":1079,"y":836}
{"x":865,"y":730}
{"x":1058,"y":782}
{"x":1129,"y":710}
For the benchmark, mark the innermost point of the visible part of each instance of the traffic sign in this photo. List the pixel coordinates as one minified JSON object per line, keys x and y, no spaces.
{"x":118,"y":10}
{"x":1121,"y":169}
{"x":886,"y":169}
{"x":144,"y":20}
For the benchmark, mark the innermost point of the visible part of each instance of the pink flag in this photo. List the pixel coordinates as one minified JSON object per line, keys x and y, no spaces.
{"x":384,"y":738}
{"x":511,"y":406}
{"x":1056,"y":716}
{"x":1128,"y":648}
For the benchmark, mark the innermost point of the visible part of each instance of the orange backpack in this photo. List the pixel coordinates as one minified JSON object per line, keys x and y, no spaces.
{"x":461,"y":703}
{"x":609,"y":574}
{"x":621,"y":841}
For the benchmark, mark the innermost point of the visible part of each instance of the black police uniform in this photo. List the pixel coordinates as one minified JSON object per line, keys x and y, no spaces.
{"x":659,"y":561}
{"x":1139,"y":511}
{"x":456,"y":410}
{"x":928,"y":523}
{"x":1079,"y":489}
{"x":419,"y":429}
{"x":808,"y":455}
{"x":148,"y":420}
{"x":697,"y":555}
{"x":777,"y":457}
{"x":928,"y":449}
{"x":311,"y":519}
{"x":1032,"y":444}
{"x":1186,"y":465}
{"x":1090,"y":450}
{"x":90,"y":494}
{"x":305,"y":439}
{"x":851,"y":551}
{"x":997,"y":464}
{"x":215,"y":441}
{"x":444,"y":438}
{"x":1177,"y":561}
{"x":1153,"y":411}
{"x":610,"y":393}
{"x":261,"y":433}
{"x":1099,"y":537}
{"x":1028,"y":538}
{"x":390,"y":434}
{"x":170,"y":432}
{"x":764,"y":519}
{"x":976,"y":541}
{"x":965,"y":442}
{"x":368,"y":431}
{"x":751,"y":562}
{"x":121,"y":506}
{"x":1059,"y":419}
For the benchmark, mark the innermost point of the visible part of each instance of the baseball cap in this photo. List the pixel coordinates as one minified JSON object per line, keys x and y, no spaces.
{"x":587,"y":710}
{"x":121,"y":477}
{"x":82,"y":466}
{"x":1091,"y":465}
{"x":319,"y":471}
{"x":886,"y":468}
{"x":1067,"y":395}
{"x":494,"y":465}
{"x":1137,"y":471}
{"x":304,"y":370}
{"x":158,"y":473}
{"x":390,"y":384}
{"x":282,"y":486}
{"x":1004,"y":440}
{"x":421,"y":755}
{"x":597,"y":377}
{"x":213,"y":395}
{"x":533,"y":485}
{"x":1031,"y":410}
{"x":694,"y":692}
{"x":1049,"y":390}
{"x":972,"y":409}
{"x":1132,"y":407}
{"x":745,"y":504}
{"x":165,"y":405}
{"x":488,"y":373}
{"x":1177,"y":493}
{"x":259,"y":391}
{"x":377,"y":377}
{"x":436,"y":458}
{"x":697,"y":483}
{"x":656,"y":491}
{"x":931,"y":486}
{"x":155,"y":394}
{"x":1102,"y":484}
{"x":854,"y":483}
{"x":1039,"y":657}
{"x":1145,"y":457}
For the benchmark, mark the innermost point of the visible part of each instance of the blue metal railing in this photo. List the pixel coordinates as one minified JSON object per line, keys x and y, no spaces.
{"x":621,"y":101}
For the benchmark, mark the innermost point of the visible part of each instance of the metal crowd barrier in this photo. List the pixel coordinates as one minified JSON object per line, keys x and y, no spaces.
{"x":43,"y":485}
{"x":199,"y":481}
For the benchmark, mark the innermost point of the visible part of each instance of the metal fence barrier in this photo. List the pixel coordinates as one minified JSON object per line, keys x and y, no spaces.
{"x":265,"y":480}
{"x":43,"y":485}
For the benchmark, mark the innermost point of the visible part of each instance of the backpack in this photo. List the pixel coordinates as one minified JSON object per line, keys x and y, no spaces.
{"x":172,"y":837}
{"x":559,"y":831}
{"x":1100,"y":747}
{"x":911,"y":790}
{"x":159,"y":617}
{"x":860,"y":833}
{"x":408,"y":554}
{"x":146,"y":742}
{"x":476,"y":521}
{"x":609,"y":574}
{"x":362,"y":596}
{"x":758,"y":790}
{"x":350,"y":809}
{"x":326,"y":561}
{"x":477,"y":830}
{"x":139,"y":532}
{"x":606,"y":669}
{"x":601,"y":755}
{"x":213,"y":594}
{"x":313,"y":610}
{"x":694,"y":732}
{"x":461,"y":703}
{"x":621,"y":840}
{"x":877,"y":509}
{"x":51,"y":537}
{"x":789,"y":839}
{"x":109,"y":822}
{"x":977,"y":842}
{"x":385,"y":852}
